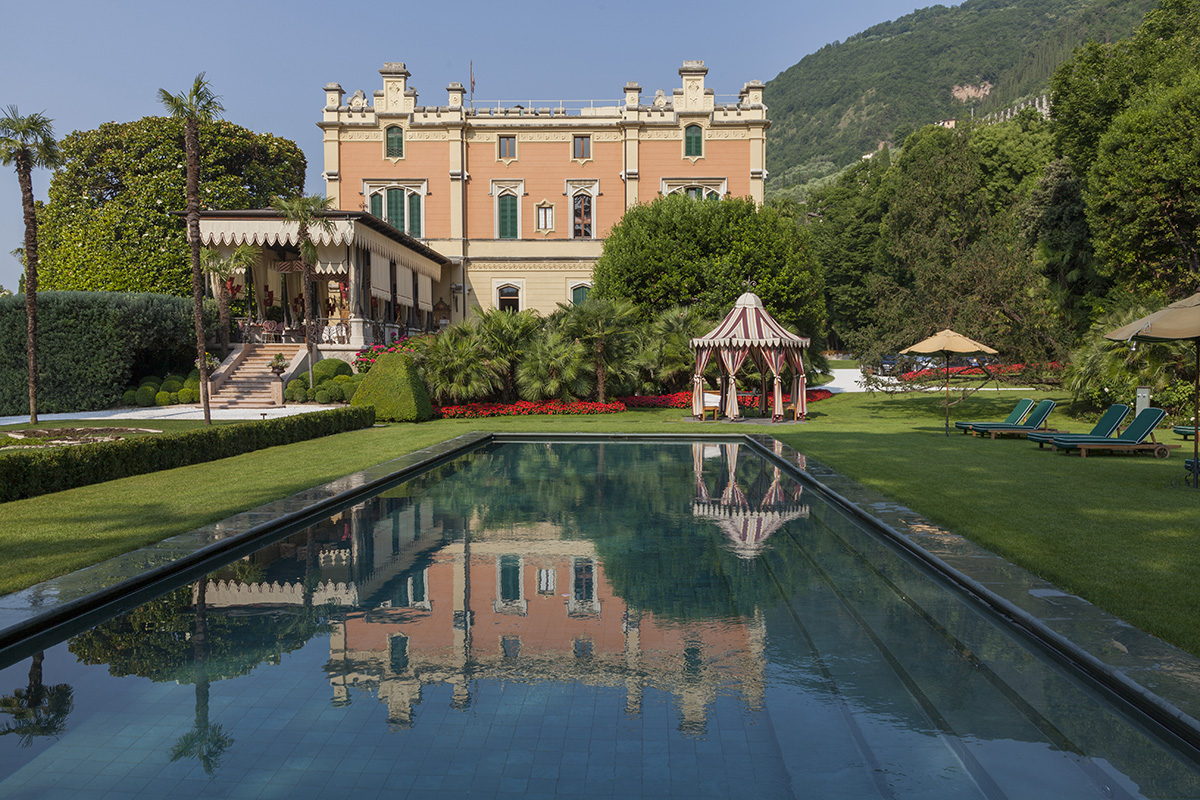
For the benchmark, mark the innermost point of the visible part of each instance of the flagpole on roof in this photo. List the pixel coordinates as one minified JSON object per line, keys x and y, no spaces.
{"x":472,"y":84}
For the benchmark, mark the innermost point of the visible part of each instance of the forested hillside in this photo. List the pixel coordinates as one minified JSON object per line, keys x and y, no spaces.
{"x":934,"y":64}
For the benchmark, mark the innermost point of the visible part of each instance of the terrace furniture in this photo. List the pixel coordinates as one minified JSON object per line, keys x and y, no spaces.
{"x":1192,"y":466}
{"x":1104,"y":427}
{"x":1035,"y":422}
{"x":1018,"y":415}
{"x":1132,"y":440}
{"x":1185,"y":431}
{"x":712,"y":402}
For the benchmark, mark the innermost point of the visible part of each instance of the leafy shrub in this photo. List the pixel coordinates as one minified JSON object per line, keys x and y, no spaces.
{"x":332,"y":390}
{"x":162,"y":399}
{"x":349,"y":390}
{"x":195,"y":373}
{"x":395,"y":390}
{"x":171,"y":385}
{"x":322,"y":397}
{"x":129,"y":398}
{"x":193,"y":384}
{"x":342,"y":378}
{"x":186,"y":395}
{"x":91,"y":345}
{"x":150,"y":380}
{"x":28,"y":473}
{"x":175,"y":398}
{"x":144,"y":396}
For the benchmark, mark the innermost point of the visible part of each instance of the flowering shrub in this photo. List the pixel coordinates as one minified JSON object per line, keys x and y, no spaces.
{"x":367,"y":356}
{"x":969,"y":372}
{"x":525,"y":409}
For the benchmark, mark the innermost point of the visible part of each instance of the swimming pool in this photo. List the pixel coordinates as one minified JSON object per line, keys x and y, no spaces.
{"x":578,"y":619}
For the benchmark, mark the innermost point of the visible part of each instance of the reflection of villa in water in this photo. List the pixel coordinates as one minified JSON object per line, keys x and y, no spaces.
{"x":430,"y":600}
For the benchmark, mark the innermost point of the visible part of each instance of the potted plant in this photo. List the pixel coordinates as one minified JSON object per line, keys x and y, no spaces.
{"x":278,"y":364}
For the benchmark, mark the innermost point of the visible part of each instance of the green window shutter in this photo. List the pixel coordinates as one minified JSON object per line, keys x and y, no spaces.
{"x":377,"y":205}
{"x":508,"y":216}
{"x":414,"y":215}
{"x":579,"y":294}
{"x":395,"y":142}
{"x":693,"y":141}
{"x":395,"y":207}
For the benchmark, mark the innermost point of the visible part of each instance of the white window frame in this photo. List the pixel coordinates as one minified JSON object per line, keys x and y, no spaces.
{"x":547,"y":207}
{"x":573,"y":285}
{"x":516,"y":189}
{"x":591,"y":145}
{"x":403,"y":143}
{"x":516,"y":148}
{"x":717,"y":186}
{"x":574,"y":188}
{"x":420,"y":188}
{"x":501,"y":283}
{"x":703,"y":142}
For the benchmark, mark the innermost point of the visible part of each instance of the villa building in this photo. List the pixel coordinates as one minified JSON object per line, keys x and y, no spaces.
{"x":442,"y":209}
{"x":520,"y":198}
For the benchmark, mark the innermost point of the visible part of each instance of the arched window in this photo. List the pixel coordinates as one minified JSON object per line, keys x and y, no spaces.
{"x":414,"y":215}
{"x":399,"y":205}
{"x":582,"y":216}
{"x":579,"y":293}
{"x":395,"y":142}
{"x":693,"y":141}
{"x":510,"y":298}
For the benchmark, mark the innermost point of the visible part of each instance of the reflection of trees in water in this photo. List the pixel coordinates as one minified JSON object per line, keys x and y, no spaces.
{"x":37,"y":709}
{"x":206,"y":741}
{"x":176,"y":637}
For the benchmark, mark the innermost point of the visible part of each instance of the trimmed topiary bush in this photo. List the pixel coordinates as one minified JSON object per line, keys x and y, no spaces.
{"x":186,"y":395}
{"x":193,"y":384}
{"x":162,"y":399}
{"x":322,"y":397}
{"x":150,"y":380}
{"x":395,"y":390}
{"x":349,"y":390}
{"x":129,"y":398}
{"x":144,"y":396}
{"x":171,"y":385}
{"x":327,"y":368}
{"x":174,"y":398}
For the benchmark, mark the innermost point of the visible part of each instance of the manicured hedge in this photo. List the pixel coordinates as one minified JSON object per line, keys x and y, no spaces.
{"x":92,"y":346}
{"x":28,"y":473}
{"x":395,"y":390}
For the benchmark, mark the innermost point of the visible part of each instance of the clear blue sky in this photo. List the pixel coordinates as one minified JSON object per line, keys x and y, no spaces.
{"x":84,"y":63}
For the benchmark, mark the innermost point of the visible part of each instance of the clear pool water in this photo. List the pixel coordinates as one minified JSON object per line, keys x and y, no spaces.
{"x":571,"y":620}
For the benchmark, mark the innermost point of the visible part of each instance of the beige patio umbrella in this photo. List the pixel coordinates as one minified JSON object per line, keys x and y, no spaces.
{"x":947,"y":342}
{"x":1177,"y":322}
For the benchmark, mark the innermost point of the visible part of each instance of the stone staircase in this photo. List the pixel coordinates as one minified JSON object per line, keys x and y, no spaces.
{"x":249,"y":385}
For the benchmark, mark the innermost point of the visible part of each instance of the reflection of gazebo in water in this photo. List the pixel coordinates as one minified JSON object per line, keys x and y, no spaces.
{"x":747,"y":517}
{"x":750,"y":331}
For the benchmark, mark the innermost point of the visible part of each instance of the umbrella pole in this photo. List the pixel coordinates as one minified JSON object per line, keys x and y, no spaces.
{"x":947,"y":393}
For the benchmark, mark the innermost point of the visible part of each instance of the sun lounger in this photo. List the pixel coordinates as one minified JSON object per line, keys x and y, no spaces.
{"x":1018,"y":415}
{"x":1185,"y":431}
{"x":1132,"y":440}
{"x":1036,"y":421}
{"x":1105,"y":427}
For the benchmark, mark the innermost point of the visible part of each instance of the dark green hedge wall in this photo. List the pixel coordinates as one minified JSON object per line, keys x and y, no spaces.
{"x":28,"y":473}
{"x":92,"y":345}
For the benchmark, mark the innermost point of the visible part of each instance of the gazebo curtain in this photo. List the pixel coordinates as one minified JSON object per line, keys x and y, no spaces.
{"x":732,"y":359}
{"x":703,"y":354}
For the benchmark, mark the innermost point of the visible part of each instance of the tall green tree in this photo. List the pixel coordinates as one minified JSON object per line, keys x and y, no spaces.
{"x":111,"y":220}
{"x":1143,"y":193}
{"x":197,"y":105}
{"x":678,"y":250}
{"x":222,"y":271}
{"x":308,"y":213}
{"x":28,"y":142}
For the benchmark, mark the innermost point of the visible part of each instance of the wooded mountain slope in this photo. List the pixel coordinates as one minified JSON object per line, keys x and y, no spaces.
{"x":881,"y":84}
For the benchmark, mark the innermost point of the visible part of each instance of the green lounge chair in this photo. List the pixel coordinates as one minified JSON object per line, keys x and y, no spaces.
{"x":1132,"y":440}
{"x":1105,"y":427}
{"x":1037,"y":418}
{"x":1185,"y":431}
{"x":1018,"y":415}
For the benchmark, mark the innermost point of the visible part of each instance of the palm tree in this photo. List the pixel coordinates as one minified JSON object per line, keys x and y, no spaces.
{"x":307,"y":212}
{"x":608,"y":328}
{"x":222,"y":269}
{"x":28,"y":142}
{"x":207,"y":741}
{"x":198,"y":105}
{"x":554,"y":366}
{"x":37,"y":709}
{"x":505,"y":335}
{"x":454,"y":366}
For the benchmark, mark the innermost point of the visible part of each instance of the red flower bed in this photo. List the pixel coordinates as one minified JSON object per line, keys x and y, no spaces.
{"x":525,"y":409}
{"x":969,"y":372}
{"x":812,"y":395}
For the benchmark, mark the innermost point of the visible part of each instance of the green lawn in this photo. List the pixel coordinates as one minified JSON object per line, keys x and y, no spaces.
{"x":1110,"y":528}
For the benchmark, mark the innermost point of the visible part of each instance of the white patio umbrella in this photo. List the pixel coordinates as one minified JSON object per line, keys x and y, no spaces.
{"x":947,"y":342}
{"x":1177,"y":322}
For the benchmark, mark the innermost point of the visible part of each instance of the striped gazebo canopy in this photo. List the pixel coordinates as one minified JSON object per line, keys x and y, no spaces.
{"x":749,"y":330}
